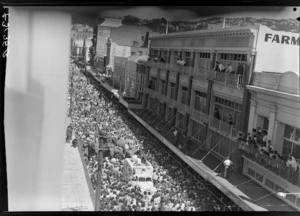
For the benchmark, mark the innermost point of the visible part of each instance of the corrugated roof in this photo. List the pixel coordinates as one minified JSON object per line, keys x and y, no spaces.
{"x":110,"y":22}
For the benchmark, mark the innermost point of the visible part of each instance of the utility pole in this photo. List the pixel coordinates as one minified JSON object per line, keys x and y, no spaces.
{"x":102,"y":138}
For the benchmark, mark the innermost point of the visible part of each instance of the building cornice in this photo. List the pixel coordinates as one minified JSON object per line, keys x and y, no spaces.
{"x":294,"y":97}
{"x":226,"y":32}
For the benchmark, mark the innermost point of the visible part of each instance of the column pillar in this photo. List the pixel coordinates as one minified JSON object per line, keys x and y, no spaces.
{"x":252,"y":116}
{"x":272,"y":122}
{"x":277,"y":142}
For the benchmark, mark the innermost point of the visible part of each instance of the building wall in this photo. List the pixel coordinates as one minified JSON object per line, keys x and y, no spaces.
{"x":200,"y":51}
{"x":281,"y":108}
{"x":35,"y":107}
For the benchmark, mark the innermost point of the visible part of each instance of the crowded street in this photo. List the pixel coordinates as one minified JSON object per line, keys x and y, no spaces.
{"x":177,"y":187}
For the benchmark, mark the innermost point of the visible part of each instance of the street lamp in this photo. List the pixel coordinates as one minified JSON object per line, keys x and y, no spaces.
{"x":282,"y":194}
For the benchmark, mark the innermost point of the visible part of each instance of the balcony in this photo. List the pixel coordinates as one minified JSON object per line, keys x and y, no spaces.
{"x":223,"y":127}
{"x":196,"y":114}
{"x":152,"y":93}
{"x":158,"y":64}
{"x":201,"y":73}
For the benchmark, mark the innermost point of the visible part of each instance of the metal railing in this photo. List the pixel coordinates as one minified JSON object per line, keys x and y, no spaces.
{"x":196,"y":114}
{"x":201,"y":73}
{"x":223,"y":127}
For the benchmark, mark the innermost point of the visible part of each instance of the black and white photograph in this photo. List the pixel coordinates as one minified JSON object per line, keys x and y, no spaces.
{"x":152,"y":108}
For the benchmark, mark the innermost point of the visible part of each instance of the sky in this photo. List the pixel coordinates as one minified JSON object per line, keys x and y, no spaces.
{"x":200,"y":12}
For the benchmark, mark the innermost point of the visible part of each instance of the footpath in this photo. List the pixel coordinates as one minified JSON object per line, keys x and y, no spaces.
{"x":75,"y":192}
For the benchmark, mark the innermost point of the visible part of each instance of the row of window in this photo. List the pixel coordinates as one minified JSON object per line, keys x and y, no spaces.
{"x":233,"y":57}
{"x":202,"y":55}
{"x":228,"y":103}
{"x":200,"y":94}
{"x":205,"y":55}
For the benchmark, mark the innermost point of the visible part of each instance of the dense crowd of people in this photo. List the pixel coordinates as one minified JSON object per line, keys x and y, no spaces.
{"x":256,"y":146}
{"x":178,"y":187}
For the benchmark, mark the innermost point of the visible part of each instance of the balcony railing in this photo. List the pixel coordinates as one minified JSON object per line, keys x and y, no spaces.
{"x":201,"y":73}
{"x":203,"y":117}
{"x":158,"y":64}
{"x":223,"y":127}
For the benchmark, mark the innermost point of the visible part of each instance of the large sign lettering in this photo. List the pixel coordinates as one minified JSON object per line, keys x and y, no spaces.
{"x":276,"y":51}
{"x":283,"y":39}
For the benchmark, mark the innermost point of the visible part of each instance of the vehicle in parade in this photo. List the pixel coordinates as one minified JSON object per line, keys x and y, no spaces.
{"x":139,"y":174}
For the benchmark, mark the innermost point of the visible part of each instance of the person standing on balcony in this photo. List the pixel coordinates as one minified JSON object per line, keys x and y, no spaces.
{"x":181,"y":61}
{"x":230,"y":69}
{"x":240,"y":73}
{"x":230,"y":119}
{"x":217,"y":114}
{"x":221,"y":68}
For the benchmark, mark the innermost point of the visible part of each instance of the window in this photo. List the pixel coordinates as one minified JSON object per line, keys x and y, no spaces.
{"x":132,"y":53}
{"x":172,"y":96}
{"x":200,"y":101}
{"x":155,"y":53}
{"x":175,"y":56}
{"x":197,"y":130}
{"x":251,"y":172}
{"x":204,"y":55}
{"x":184,"y":94}
{"x":228,"y":108}
{"x":233,"y":57}
{"x":187,"y":58}
{"x":181,"y":121}
{"x":163,"y":86}
{"x":270,"y":184}
{"x":140,"y":53}
{"x":291,"y":139}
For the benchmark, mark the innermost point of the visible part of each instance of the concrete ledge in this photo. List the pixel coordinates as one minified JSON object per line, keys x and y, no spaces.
{"x":92,"y":193}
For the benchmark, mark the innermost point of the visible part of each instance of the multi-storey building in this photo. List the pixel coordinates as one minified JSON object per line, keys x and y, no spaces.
{"x":212,"y":106}
{"x":275,"y":107}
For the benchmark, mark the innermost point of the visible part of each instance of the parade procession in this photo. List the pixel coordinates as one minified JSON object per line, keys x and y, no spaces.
{"x":130,"y":170}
